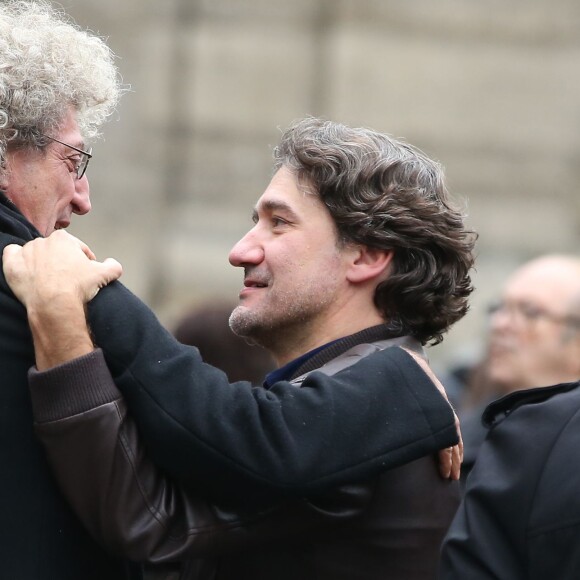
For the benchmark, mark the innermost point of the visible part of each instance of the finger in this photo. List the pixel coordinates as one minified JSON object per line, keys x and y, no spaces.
{"x":445,"y":462}
{"x":10,"y":251}
{"x":107,"y":271}
{"x":456,"y":459}
{"x":460,"y":444}
{"x":85,"y":249}
{"x":11,"y":254}
{"x":457,"y":453}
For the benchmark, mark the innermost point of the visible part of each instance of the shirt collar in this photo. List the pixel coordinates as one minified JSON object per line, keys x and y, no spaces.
{"x":286,"y":372}
{"x":319,"y":356}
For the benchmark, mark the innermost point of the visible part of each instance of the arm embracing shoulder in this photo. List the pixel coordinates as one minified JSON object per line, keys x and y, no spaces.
{"x":201,"y":429}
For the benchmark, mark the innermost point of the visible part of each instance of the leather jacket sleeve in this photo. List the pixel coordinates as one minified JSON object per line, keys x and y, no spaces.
{"x":132,"y":508}
{"x":281,"y":440}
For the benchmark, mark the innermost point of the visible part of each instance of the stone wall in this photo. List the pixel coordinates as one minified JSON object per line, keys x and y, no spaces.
{"x":490,"y":88}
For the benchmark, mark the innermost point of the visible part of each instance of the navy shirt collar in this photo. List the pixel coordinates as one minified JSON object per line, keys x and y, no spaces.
{"x":286,"y":372}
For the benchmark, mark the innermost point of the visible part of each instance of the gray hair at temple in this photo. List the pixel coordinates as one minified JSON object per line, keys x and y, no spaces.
{"x":384,"y":193}
{"x":47,"y":65}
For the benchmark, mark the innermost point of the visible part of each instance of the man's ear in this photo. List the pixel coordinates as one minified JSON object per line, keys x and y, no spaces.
{"x":370,"y":264}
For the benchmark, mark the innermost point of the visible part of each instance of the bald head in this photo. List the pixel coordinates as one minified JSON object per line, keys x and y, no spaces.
{"x":535,"y":331}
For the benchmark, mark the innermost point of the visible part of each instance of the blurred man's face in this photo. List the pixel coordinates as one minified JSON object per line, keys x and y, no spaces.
{"x":43,"y":184}
{"x":534,"y":341}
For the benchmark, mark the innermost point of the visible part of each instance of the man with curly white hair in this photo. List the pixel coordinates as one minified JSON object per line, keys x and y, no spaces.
{"x":58,"y":84}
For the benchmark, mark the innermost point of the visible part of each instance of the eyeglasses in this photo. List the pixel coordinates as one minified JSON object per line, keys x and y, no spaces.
{"x":82,"y":164}
{"x":524,"y":312}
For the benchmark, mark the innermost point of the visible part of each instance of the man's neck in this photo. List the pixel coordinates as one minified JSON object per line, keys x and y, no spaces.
{"x":290,"y":345}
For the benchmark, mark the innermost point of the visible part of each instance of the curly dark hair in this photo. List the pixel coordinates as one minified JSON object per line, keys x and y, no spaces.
{"x":384,"y":193}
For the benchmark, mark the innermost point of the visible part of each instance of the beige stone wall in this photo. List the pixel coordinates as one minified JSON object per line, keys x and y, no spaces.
{"x":490,"y":88}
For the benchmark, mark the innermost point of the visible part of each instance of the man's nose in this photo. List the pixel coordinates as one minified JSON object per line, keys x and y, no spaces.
{"x":81,"y":201}
{"x":247,"y":251}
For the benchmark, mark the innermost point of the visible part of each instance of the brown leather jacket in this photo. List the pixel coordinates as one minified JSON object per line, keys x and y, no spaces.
{"x":388,"y":528}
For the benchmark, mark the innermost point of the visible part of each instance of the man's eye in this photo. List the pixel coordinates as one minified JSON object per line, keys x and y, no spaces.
{"x":73,"y":162}
{"x":531,"y":312}
{"x":278,"y":221}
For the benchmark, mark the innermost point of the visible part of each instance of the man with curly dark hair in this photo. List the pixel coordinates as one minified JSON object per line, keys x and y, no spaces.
{"x":356,"y":248}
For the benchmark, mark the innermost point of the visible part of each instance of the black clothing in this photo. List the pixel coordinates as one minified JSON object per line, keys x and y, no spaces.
{"x":40,"y":537}
{"x":520,"y":518}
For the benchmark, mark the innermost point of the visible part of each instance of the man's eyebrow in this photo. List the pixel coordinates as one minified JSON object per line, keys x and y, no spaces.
{"x":72,"y":145}
{"x":276,"y":205}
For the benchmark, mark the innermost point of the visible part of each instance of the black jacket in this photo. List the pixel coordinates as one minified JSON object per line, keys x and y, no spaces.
{"x":40,"y":537}
{"x":520,"y":518}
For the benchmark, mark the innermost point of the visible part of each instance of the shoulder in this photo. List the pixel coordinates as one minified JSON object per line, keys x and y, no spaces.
{"x":365,"y":351}
{"x":525,"y":427}
{"x":562,"y":398}
{"x":529,"y":453}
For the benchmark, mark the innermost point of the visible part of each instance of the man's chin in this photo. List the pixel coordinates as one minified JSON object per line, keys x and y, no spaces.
{"x":504,"y":379}
{"x":242,"y":322}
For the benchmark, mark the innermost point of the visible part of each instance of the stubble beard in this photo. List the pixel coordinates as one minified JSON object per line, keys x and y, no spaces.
{"x":284,"y":324}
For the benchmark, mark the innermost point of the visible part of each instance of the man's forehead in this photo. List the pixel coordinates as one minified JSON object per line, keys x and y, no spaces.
{"x":70,"y":131}
{"x":545,"y":288}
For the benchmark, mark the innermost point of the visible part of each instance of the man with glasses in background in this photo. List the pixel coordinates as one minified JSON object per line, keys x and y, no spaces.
{"x":535,"y":327}
{"x":534,"y":339}
{"x":520,"y":517}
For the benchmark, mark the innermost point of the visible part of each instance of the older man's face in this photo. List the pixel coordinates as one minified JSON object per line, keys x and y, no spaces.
{"x":533,"y":342}
{"x":43,"y":184}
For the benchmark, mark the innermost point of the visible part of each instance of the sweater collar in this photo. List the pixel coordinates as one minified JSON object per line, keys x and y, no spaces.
{"x":314,"y":359}
{"x":340,"y":346}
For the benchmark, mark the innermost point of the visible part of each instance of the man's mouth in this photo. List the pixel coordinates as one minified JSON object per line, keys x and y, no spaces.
{"x":501,"y":348}
{"x":254,"y":284}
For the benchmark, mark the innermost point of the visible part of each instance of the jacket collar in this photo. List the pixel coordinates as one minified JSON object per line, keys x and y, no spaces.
{"x":373,"y":334}
{"x":12,"y":222}
{"x":498,"y":410}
